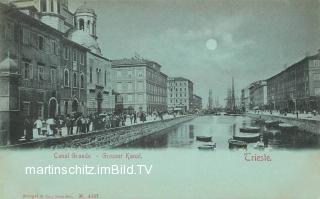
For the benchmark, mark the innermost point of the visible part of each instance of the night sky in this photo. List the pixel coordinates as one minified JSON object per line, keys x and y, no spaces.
{"x":250,"y":40}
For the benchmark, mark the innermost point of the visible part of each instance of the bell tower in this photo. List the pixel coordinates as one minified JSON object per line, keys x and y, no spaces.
{"x":86,"y":20}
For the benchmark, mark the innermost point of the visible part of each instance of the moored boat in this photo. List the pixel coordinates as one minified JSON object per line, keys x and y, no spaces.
{"x":250,"y":129}
{"x":272,"y":123}
{"x":287,"y":126}
{"x":204,"y":138}
{"x":237,"y":144}
{"x":247,"y":137}
{"x":207,"y":146}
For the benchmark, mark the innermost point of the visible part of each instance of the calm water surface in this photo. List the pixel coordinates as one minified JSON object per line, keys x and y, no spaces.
{"x":221,"y":128}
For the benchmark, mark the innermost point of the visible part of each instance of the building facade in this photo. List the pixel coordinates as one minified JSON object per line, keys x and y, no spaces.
{"x":49,"y":49}
{"x":258,"y":95}
{"x":297,"y":87}
{"x":196,"y":103}
{"x":245,"y":99}
{"x":48,"y":85}
{"x":180,"y":94}
{"x":141,"y":84}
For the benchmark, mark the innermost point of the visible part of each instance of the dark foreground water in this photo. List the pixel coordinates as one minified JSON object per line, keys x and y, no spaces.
{"x":221,"y":128}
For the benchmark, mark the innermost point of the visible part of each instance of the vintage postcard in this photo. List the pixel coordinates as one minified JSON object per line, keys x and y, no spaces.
{"x":159,"y":99}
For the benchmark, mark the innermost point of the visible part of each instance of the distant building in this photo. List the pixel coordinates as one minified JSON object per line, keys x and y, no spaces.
{"x":180,"y":94}
{"x":245,"y":99}
{"x":196,"y":102}
{"x":141,"y":84}
{"x":297,"y":87}
{"x":258,"y":95}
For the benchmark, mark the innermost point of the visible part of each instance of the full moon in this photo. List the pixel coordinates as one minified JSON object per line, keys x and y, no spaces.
{"x":211,"y":44}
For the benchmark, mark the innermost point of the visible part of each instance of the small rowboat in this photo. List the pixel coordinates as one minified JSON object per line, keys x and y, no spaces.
{"x":204,"y":138}
{"x":237,"y":144}
{"x":250,"y":129}
{"x":207,"y":146}
{"x":287,"y":126}
{"x":272,"y":122}
{"x":252,"y":137}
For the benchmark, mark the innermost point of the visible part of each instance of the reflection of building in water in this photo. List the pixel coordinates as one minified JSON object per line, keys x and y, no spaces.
{"x":191,"y":129}
{"x":180,"y":137}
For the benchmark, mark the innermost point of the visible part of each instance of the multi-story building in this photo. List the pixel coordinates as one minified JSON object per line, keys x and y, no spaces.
{"x":49,"y":49}
{"x":258,"y":95}
{"x":297,"y":87}
{"x":141,"y":84}
{"x":196,"y":103}
{"x":99,"y":85}
{"x":47,"y":85}
{"x":245,"y":99}
{"x":180,"y":94}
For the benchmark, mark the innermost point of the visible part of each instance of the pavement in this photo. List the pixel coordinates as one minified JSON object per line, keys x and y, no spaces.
{"x":307,"y":116}
{"x":64,"y":131}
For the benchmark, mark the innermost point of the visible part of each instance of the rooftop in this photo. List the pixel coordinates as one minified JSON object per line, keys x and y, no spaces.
{"x":84,"y":8}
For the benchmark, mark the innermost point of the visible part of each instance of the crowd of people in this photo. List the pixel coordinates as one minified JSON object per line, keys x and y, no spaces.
{"x":78,"y":123}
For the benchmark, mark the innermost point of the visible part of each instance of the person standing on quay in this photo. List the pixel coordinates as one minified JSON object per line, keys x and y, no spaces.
{"x":28,"y":129}
{"x":84,"y":125}
{"x":135,"y":117}
{"x":38,"y":124}
{"x":79,"y":125}
{"x":131,"y":118}
{"x":88,"y":124}
{"x":68,"y":124}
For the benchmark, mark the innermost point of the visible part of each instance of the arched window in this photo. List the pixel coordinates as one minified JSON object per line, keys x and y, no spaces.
{"x":66,"y":77}
{"x":82,"y":81}
{"x":94,"y":28}
{"x":88,"y":24}
{"x":74,"y":79}
{"x":81,"y":24}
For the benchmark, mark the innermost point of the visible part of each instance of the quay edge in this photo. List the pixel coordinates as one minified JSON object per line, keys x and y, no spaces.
{"x":310,"y":126}
{"x":109,"y":138}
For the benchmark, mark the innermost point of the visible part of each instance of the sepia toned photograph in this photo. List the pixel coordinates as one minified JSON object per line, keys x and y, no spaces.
{"x":141,"y":99}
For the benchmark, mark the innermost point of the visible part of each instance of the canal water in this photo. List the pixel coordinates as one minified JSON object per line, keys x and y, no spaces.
{"x":221,"y":128}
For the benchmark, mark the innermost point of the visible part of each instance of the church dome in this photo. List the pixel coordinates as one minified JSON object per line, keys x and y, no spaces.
{"x":84,"y":8}
{"x":84,"y":39}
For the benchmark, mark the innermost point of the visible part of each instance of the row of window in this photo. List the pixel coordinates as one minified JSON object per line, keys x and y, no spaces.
{"x":156,"y":99}
{"x":177,"y":95}
{"x":129,"y":86}
{"x":40,"y":42}
{"x":75,"y":55}
{"x":28,"y":72}
{"x":99,"y":74}
{"x":156,"y":89}
{"x":176,"y":89}
{"x":74,"y":77}
{"x":178,"y":84}
{"x":128,"y":74}
{"x":177,"y":101}
{"x":50,"y":6}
